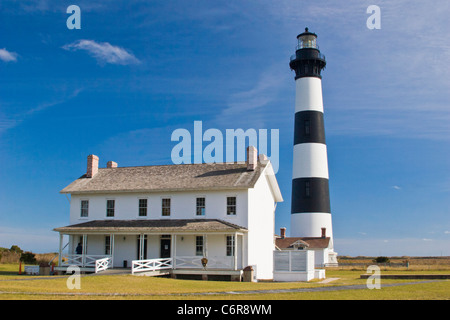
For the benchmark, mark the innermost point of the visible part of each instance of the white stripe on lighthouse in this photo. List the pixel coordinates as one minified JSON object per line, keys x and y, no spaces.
{"x":310,"y":160}
{"x":308,"y":94}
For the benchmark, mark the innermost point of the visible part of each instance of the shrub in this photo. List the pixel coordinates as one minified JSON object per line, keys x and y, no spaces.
{"x":16,"y":249}
{"x":28,"y":257}
{"x":381,"y":260}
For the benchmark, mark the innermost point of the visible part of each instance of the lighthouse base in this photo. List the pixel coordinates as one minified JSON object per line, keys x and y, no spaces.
{"x":315,"y":225}
{"x":310,"y":224}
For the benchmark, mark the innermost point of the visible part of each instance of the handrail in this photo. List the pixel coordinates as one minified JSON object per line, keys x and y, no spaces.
{"x":294,"y":56}
{"x":102,"y":264}
{"x":151,"y":265}
{"x":50,"y":263}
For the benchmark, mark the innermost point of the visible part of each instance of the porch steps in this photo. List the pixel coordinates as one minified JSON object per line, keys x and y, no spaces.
{"x":114,"y":271}
{"x":154,"y":273}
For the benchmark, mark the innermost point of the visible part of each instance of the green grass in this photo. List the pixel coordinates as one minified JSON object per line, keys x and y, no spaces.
{"x":141,"y":287}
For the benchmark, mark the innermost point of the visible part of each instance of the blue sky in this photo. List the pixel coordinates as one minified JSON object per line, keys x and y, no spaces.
{"x":137,"y":70}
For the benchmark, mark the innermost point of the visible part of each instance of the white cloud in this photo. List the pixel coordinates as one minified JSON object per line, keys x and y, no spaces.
{"x":254,"y":105}
{"x":7,"y":56}
{"x":104,"y":52}
{"x":12,"y":120}
{"x":396,"y":187}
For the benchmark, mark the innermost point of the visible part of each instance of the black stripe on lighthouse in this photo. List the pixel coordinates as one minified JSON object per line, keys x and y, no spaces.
{"x":309,"y":127}
{"x":310,"y":195}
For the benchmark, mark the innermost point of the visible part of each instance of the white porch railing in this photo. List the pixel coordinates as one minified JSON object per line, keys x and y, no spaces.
{"x":185,"y":262}
{"x":218,"y":262}
{"x":150,"y":265}
{"x":82,"y":260}
{"x":103,"y":264}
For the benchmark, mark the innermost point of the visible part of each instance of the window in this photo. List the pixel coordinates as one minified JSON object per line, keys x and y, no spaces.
{"x":108,"y":245}
{"x":307,"y":189}
{"x":142,"y":207}
{"x":230,"y":246}
{"x":84,"y":208}
{"x":307,"y":128}
{"x":200,"y":207}
{"x":231,"y":206}
{"x":165,"y":205}
{"x":199,"y":246}
{"x":110,"y":204}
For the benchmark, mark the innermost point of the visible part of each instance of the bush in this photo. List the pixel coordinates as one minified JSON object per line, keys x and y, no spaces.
{"x":16,"y":249}
{"x":381,"y":260}
{"x":28,"y":257}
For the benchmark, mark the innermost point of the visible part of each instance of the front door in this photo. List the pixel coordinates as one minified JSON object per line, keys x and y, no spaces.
{"x":139,"y":248}
{"x":165,"y":248}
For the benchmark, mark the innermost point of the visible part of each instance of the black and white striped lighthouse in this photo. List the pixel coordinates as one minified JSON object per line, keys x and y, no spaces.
{"x":310,"y":208}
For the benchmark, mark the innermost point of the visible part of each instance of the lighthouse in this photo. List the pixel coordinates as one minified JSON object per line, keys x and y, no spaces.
{"x":310,"y":207}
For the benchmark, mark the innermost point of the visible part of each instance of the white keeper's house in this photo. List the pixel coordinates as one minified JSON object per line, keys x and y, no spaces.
{"x":169,"y":218}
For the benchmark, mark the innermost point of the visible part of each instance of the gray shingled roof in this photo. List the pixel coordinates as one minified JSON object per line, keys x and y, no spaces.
{"x":313,"y":242}
{"x":158,"y":226}
{"x":203,"y":176}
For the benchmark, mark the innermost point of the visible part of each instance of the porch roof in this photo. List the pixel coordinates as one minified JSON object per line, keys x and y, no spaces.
{"x":153,"y":226}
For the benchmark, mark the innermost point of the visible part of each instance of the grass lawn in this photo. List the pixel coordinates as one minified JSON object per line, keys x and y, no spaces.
{"x":13,"y":286}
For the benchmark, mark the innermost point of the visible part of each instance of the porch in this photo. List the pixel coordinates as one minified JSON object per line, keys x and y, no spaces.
{"x":156,"y":252}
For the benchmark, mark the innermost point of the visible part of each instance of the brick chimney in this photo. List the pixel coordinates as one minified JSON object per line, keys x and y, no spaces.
{"x":283,"y":233}
{"x":111,"y":164}
{"x":92,"y":166}
{"x":324,"y":232}
{"x":252,"y":158}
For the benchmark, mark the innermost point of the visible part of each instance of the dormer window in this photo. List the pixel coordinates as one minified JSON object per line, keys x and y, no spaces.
{"x":299,"y":245}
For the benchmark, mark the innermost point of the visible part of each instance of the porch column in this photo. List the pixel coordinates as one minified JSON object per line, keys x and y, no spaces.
{"x":235,"y":251}
{"x":173,"y":251}
{"x":111,"y":237}
{"x":60,"y":249}
{"x":83,"y":258}
{"x":141,"y":247}
{"x":242,"y":251}
{"x":205,"y":245}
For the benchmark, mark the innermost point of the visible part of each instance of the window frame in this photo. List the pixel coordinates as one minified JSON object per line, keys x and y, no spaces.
{"x":308,"y":189}
{"x":230,"y":244}
{"x":169,"y":207}
{"x":142,"y":207}
{"x":197,"y":206}
{"x":231,"y":206}
{"x":199,"y":245}
{"x":82,"y":208}
{"x":113,"y":208}
{"x":108,"y":245}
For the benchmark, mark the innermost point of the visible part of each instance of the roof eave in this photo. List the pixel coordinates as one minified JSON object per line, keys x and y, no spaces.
{"x":156,"y":190}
